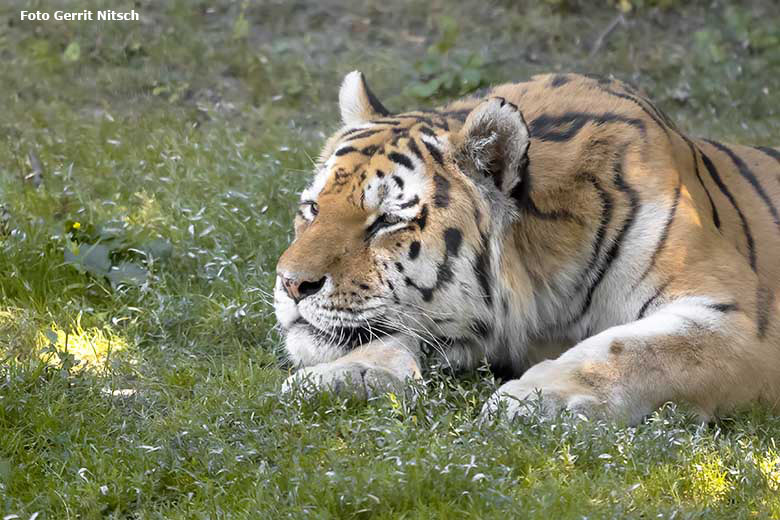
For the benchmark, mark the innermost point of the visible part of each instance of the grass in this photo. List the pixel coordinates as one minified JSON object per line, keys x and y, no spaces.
{"x":147,"y":178}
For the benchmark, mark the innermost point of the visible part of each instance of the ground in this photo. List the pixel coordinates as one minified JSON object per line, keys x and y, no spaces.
{"x":147,"y":177}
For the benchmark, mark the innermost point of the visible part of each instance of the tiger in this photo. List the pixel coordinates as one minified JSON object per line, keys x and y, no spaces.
{"x":562,"y":230}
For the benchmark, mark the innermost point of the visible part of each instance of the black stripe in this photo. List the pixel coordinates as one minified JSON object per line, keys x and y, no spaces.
{"x":453,"y":238}
{"x":422,"y":218}
{"x":398,"y":180}
{"x":435,"y":153}
{"x":401,"y":159}
{"x":655,"y":114}
{"x":345,"y":150}
{"x":398,"y":134}
{"x":653,"y":298}
{"x":369,"y":150}
{"x":427,"y":131}
{"x":559,"y":80}
{"x":417,"y":117}
{"x":352,"y":132}
{"x":361,"y":135}
{"x":748,"y":174}
{"x":598,"y":242}
{"x":601,"y":80}
{"x":764,"y":299}
{"x":556,"y":214}
{"x":441,"y":197}
{"x":521,"y":193}
{"x":723,"y":307}
{"x":715,"y":216}
{"x":601,"y":232}
{"x":414,"y":250}
{"x":411,"y":202}
{"x":546,"y":127}
{"x":372,"y":100}
{"x":482,"y":269}
{"x":745,"y":227}
{"x":771,"y":152}
{"x":664,"y":234}
{"x":504,"y":101}
{"x":614,"y":251}
{"x":380,"y":223}
{"x":415,"y":150}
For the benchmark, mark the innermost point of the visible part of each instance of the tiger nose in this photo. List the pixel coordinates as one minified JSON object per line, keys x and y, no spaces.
{"x":298,"y":288}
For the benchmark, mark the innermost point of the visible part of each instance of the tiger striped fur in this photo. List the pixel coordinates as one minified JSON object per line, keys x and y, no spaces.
{"x":563,"y":229}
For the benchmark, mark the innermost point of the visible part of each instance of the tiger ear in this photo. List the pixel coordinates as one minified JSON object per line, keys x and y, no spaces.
{"x":358,"y":104}
{"x":493,"y":143}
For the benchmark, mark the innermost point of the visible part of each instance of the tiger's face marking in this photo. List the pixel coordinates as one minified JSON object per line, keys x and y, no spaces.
{"x":383,"y":240}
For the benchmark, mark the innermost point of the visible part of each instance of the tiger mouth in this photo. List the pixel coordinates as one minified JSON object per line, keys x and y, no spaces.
{"x":347,"y":337}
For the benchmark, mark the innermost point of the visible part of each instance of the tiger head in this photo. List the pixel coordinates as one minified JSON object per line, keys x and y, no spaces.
{"x":400,"y":230}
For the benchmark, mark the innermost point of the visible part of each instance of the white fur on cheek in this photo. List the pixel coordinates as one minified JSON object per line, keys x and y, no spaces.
{"x":284,"y":307}
{"x":305,"y":349}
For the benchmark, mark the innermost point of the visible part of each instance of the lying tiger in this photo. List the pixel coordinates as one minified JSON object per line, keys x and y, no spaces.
{"x":562,"y":229}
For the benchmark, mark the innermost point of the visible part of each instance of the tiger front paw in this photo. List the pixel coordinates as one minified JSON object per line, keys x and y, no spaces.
{"x":519,"y":399}
{"x":352,"y":378}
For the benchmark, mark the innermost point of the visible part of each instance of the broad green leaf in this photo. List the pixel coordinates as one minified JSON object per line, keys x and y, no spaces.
{"x":51,"y":336}
{"x":72,"y":52}
{"x":91,"y":258}
{"x":127,"y":273}
{"x":471,"y":77}
{"x":426,"y":89}
{"x":240,"y":27}
{"x":159,"y":249}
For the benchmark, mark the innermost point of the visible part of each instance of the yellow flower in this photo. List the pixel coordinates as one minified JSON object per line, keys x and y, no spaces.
{"x":76,"y":225}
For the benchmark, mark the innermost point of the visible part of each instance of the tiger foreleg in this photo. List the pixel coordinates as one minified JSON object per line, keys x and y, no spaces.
{"x":691,"y":351}
{"x":383,"y":365}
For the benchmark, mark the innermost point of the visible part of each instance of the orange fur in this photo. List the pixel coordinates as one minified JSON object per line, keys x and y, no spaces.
{"x":605,"y":226}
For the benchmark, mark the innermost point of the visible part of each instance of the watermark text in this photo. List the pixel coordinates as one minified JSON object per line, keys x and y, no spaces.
{"x":106,"y":15}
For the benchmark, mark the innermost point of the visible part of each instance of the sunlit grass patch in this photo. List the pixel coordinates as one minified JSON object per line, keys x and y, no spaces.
{"x":709,"y":482}
{"x":769,"y":465}
{"x":18,"y":332}
{"x":78,"y":348}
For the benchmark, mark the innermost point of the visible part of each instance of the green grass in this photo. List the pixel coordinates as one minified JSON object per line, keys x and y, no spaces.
{"x":179,"y":144}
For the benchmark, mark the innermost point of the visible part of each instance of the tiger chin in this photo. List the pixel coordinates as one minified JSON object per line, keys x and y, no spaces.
{"x":562,"y":228}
